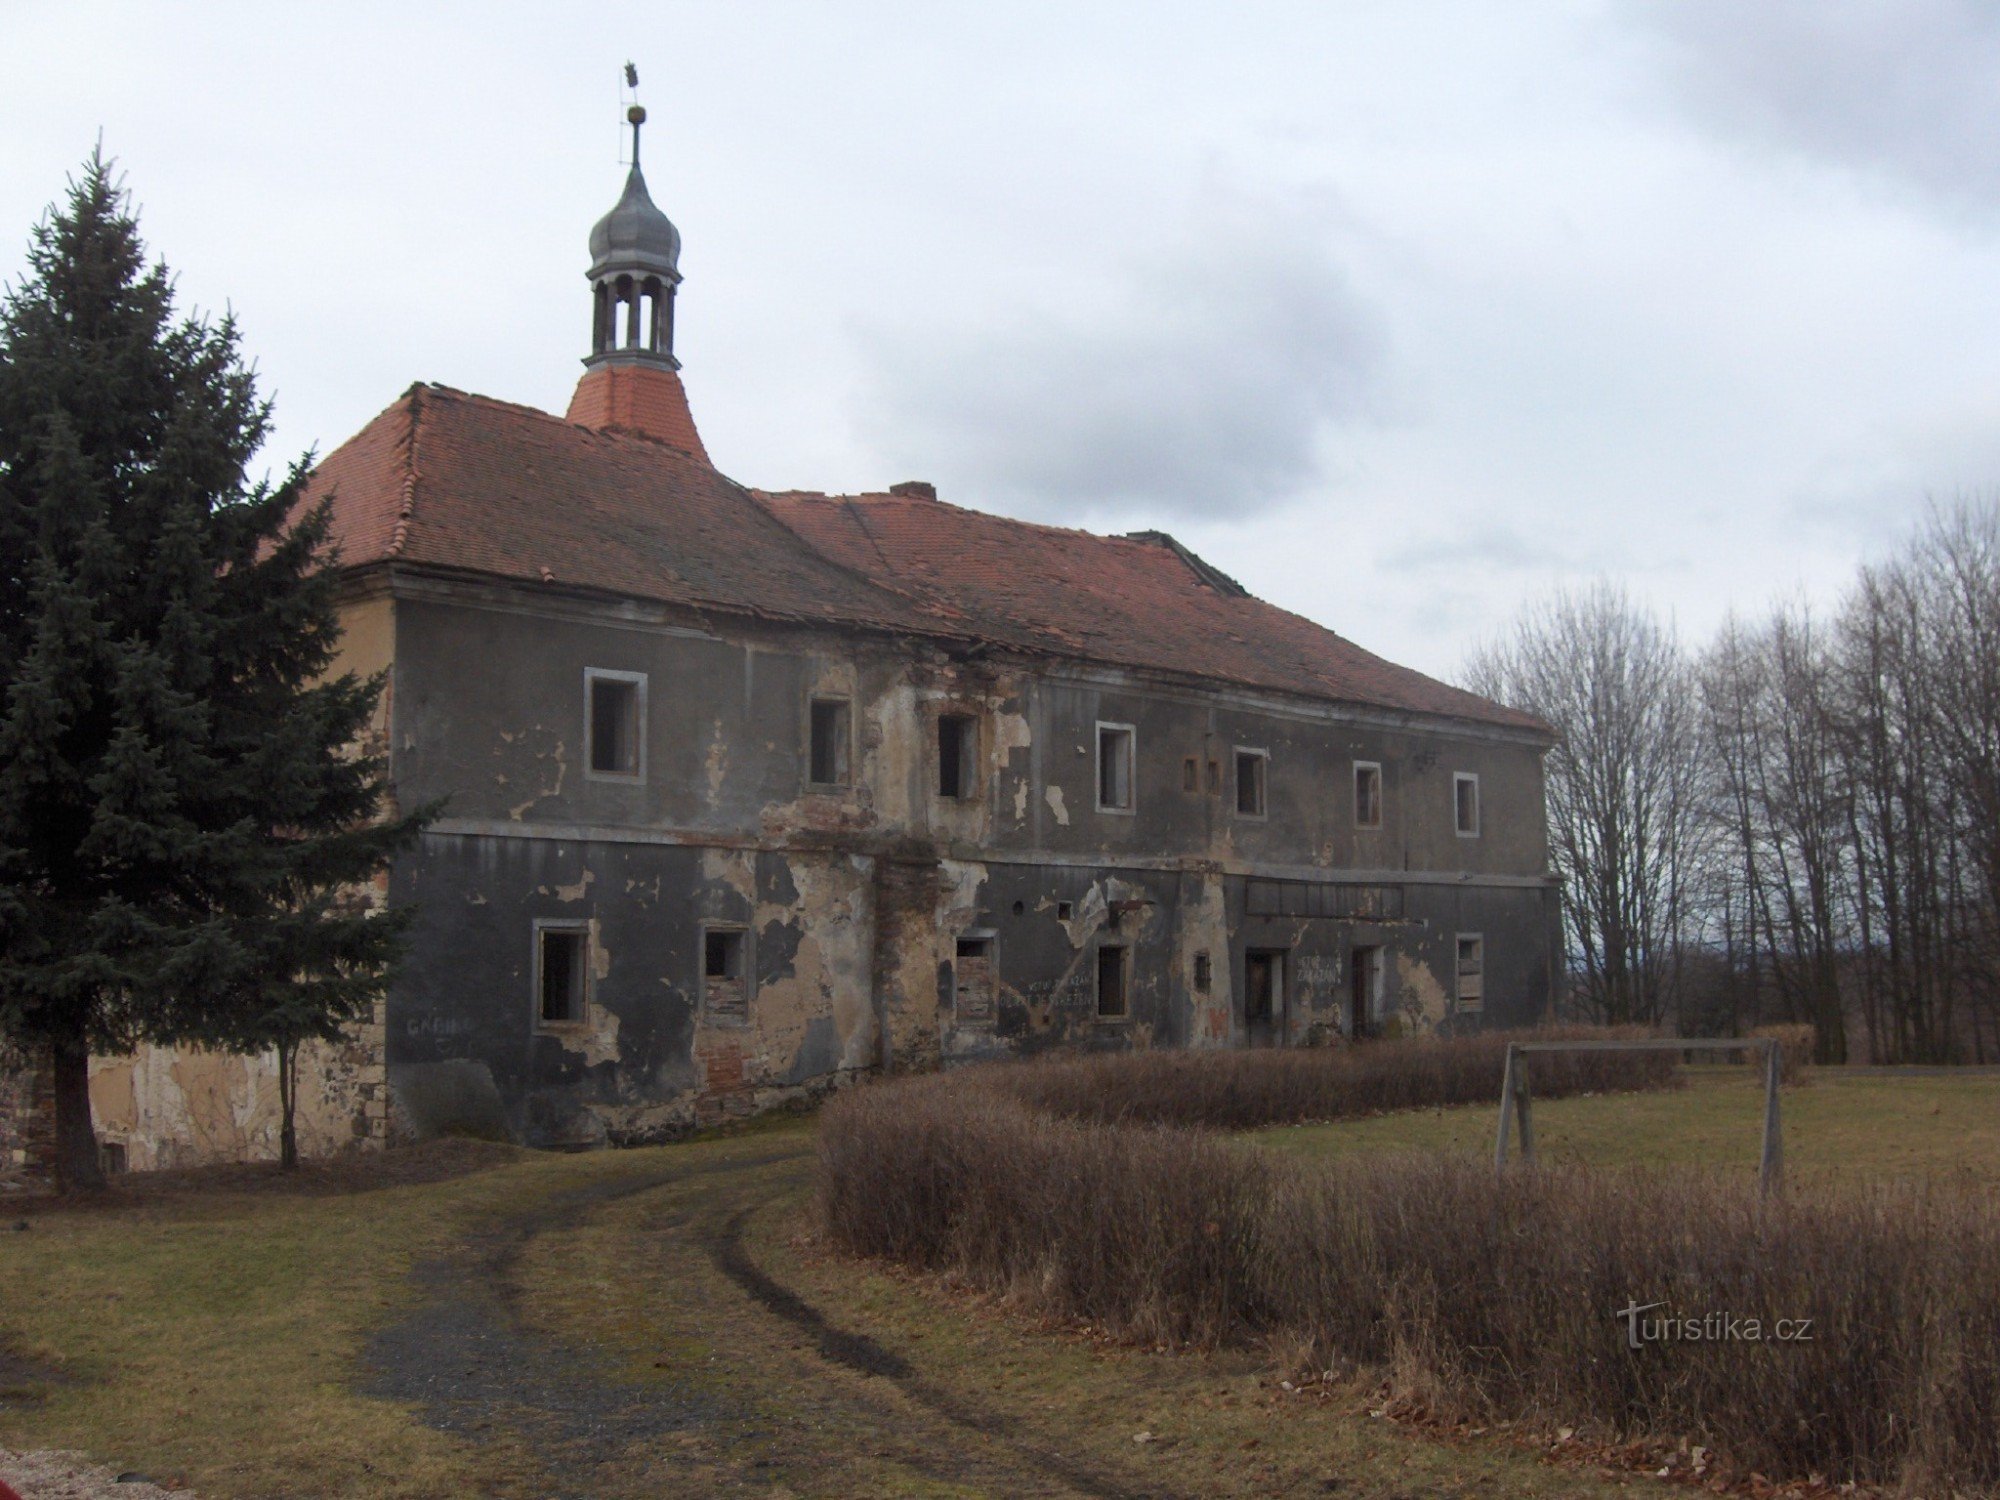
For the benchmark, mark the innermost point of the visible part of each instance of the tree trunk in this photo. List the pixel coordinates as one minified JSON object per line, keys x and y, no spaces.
{"x":78,"y":1168}
{"x":288,"y":1098}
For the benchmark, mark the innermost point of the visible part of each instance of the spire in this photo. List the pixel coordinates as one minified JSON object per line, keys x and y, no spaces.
{"x":629,"y":382}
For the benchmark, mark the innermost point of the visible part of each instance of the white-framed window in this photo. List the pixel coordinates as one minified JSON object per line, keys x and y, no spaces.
{"x":614,"y":724}
{"x":1114,"y":981}
{"x":1471,"y":971}
{"x":1252,"y":768}
{"x":562,"y":974}
{"x":1367,"y":794}
{"x":829,"y":731}
{"x":957,"y":756}
{"x":1117,"y":761}
{"x":1465,"y":804}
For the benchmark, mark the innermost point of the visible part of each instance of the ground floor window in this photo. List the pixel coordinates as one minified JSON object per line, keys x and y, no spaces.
{"x":973,"y":983}
{"x":725,"y":974}
{"x":1471,"y":971}
{"x":1114,"y":973}
{"x":562,"y":967}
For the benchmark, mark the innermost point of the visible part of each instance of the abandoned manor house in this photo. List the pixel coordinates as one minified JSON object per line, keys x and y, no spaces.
{"x":752,"y":793}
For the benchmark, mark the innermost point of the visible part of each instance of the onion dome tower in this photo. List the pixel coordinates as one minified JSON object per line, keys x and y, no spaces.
{"x":630,"y":381}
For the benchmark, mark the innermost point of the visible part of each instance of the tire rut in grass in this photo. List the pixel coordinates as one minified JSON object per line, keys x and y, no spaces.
{"x":863,"y":1355}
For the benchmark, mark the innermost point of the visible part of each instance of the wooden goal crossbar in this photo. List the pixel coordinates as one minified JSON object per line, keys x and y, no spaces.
{"x":1514,"y":1090}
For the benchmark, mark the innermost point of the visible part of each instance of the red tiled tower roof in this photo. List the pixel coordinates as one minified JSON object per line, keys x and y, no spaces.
{"x":463,"y":483}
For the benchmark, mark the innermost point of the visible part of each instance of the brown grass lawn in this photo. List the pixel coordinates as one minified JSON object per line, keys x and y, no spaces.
{"x":1840,"y":1125}
{"x":220,"y":1335}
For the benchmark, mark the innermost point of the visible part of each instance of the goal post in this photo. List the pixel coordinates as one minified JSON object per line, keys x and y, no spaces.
{"x":1516,"y":1111}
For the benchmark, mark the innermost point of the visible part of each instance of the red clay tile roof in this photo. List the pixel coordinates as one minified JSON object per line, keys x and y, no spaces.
{"x":644,"y":400}
{"x":461,"y":482}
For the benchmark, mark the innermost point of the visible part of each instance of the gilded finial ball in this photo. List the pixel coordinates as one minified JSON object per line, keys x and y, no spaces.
{"x":636,"y":114}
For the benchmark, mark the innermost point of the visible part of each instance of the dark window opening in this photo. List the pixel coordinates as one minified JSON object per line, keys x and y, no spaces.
{"x":1191,"y":775}
{"x":1364,"y":1013}
{"x":614,"y":726}
{"x":1465,"y":793}
{"x":829,"y":741}
{"x":973,"y":981}
{"x":1065,"y":910}
{"x":1214,"y":778}
{"x":1250,"y":783}
{"x":1114,"y":768}
{"x":725,"y":981}
{"x":1367,"y":795}
{"x":1204,"y":974}
{"x":957,"y":737}
{"x":561,"y":975}
{"x":1111,"y":977}
{"x":1471,"y":973}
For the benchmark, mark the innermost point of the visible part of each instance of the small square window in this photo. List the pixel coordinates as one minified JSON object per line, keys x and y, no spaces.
{"x":828,"y":749}
{"x":1065,"y":910}
{"x":615,"y":708}
{"x":1113,"y":974}
{"x":1250,"y":766}
{"x":1471,"y":972}
{"x":957,"y":742}
{"x":1465,"y":804}
{"x":725,"y":977}
{"x":1114,"y":767}
{"x":1204,"y":974}
{"x":1367,"y":794}
{"x":562,"y":961}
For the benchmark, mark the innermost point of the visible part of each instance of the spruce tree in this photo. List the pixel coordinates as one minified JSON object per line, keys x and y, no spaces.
{"x":185,"y":807}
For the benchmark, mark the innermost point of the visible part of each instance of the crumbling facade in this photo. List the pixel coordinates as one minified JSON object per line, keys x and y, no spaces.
{"x":751,"y":793}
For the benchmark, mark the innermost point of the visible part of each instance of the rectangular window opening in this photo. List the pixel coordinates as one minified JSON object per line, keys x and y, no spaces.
{"x":1465,"y":803}
{"x":1215,"y":778}
{"x":615,"y":703}
{"x":829,"y":741}
{"x":1114,"y":767}
{"x":973,"y":981}
{"x":1191,"y":774}
{"x":1364,"y":1014}
{"x":1204,"y":974}
{"x":1471,"y":972}
{"x":957,"y":738}
{"x":1065,"y":910}
{"x":1112,"y":974}
{"x":725,"y":980}
{"x":561,"y":963}
{"x":1367,"y":794}
{"x":1250,"y":766}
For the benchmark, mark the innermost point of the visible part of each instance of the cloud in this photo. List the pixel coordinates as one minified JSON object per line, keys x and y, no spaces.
{"x":1905,"y":90}
{"x":1201,"y":380}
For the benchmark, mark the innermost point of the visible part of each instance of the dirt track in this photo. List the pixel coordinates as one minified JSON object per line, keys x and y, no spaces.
{"x":752,"y":1385}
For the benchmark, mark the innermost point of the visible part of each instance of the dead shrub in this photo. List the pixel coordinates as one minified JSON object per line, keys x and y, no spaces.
{"x":1081,"y":1188}
{"x":1795,"y":1050}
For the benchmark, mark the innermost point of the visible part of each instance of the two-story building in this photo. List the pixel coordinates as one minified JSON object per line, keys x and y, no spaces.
{"x":752,"y":793}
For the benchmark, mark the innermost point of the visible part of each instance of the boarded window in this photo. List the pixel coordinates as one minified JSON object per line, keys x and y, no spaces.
{"x":1113,"y":972}
{"x":829,"y":741}
{"x":1367,"y":794}
{"x":1204,"y":974}
{"x":1114,"y":767}
{"x":615,"y":726}
{"x":725,"y":979}
{"x":1250,"y":783}
{"x":957,"y":739}
{"x":1471,"y":973}
{"x":1465,"y":799}
{"x":561,"y":955}
{"x":973,"y":981}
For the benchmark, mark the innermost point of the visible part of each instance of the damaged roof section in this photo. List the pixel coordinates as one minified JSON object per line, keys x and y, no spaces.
{"x":462,"y":482}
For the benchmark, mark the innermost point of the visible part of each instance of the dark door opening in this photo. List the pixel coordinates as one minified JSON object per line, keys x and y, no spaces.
{"x":1364,"y":1007}
{"x":1264,"y":997}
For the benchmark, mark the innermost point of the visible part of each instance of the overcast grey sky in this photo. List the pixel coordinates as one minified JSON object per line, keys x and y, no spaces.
{"x":1397,"y":311}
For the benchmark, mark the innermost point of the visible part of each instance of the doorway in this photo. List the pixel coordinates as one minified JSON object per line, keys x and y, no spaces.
{"x":1364,"y":1004}
{"x":1264,"y":1010}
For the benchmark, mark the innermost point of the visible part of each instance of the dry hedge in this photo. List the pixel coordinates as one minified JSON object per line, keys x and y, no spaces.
{"x":1494,"y":1298}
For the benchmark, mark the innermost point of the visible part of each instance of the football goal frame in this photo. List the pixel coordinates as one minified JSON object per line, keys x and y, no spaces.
{"x":1516,"y":1108}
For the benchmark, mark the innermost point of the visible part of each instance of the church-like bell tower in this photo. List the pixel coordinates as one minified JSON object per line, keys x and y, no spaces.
{"x":635,"y":254}
{"x":630,"y":381}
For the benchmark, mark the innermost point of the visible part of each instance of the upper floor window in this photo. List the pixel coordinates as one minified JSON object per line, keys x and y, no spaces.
{"x":957,"y":748}
{"x":1465,"y":804}
{"x":1367,"y":794}
{"x":1250,"y":769}
{"x":615,"y":723}
{"x":1115,"y":744}
{"x":828,"y":735}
